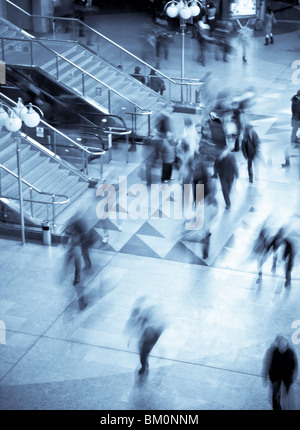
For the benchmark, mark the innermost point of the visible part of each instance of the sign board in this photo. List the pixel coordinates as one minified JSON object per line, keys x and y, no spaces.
{"x":243,"y":9}
{"x":40,"y":131}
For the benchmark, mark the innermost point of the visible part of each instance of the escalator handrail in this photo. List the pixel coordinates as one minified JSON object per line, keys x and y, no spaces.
{"x":81,"y":147}
{"x":57,"y":54}
{"x":104,"y":37}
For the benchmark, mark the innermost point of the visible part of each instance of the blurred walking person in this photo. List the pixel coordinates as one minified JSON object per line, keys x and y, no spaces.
{"x":268,"y":23}
{"x":260,"y":250}
{"x":164,"y":128}
{"x":163,"y":40}
{"x":244,"y":41}
{"x":237,"y":114}
{"x":281,"y":240}
{"x":295,"y":122}
{"x":190,"y":135}
{"x":211,"y":17}
{"x":250,"y":148}
{"x":227,"y":169}
{"x":203,"y":39}
{"x":148,"y":44}
{"x":295,"y":107}
{"x":168,"y":151}
{"x":280,"y":366}
{"x":80,"y":240}
{"x":205,"y":201}
{"x":156,"y":83}
{"x":146,"y":324}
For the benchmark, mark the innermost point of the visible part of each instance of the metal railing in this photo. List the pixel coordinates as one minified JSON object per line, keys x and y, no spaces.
{"x":34,"y":53}
{"x":53,"y":134}
{"x":115,"y":54}
{"x":53,"y":202}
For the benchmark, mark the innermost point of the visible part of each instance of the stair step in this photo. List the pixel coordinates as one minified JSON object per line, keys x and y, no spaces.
{"x":5,"y":138}
{"x":53,"y":182}
{"x":64,"y":53}
{"x":60,"y":48}
{"x":41,"y":172}
{"x":65,"y":67}
{"x":26,"y":165}
{"x":9,"y":157}
{"x":8,"y":152}
{"x":75,"y":80}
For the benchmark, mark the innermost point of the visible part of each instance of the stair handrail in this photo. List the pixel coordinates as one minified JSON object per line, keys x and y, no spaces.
{"x":52,"y":154}
{"x":57,"y":54}
{"x":106,"y":38}
{"x":34,"y":188}
{"x":53,"y":202}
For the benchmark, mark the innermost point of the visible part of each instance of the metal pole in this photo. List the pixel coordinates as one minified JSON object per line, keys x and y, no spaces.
{"x":18,"y":150}
{"x":182,"y":23}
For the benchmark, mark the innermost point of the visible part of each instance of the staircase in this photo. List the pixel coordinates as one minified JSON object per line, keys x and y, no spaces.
{"x":125,"y":91}
{"x":79,"y":69}
{"x":45,"y":181}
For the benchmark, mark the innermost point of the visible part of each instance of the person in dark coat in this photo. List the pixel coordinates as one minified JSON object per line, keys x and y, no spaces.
{"x":156,"y":83}
{"x":168,"y":152}
{"x":237,"y":113}
{"x":137,"y":75}
{"x":250,"y":148}
{"x":201,"y":176}
{"x":218,"y":135}
{"x":80,"y":240}
{"x":268,"y":24}
{"x":295,"y":107}
{"x":227,"y":169}
{"x":280,"y":365}
{"x":163,"y":40}
{"x":282,"y":240}
{"x":260,"y":250}
{"x":147,"y":325}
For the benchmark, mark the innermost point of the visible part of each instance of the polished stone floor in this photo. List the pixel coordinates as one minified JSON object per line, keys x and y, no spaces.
{"x":218,"y":322}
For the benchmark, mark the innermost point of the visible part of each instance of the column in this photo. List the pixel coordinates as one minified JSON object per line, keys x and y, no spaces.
{"x":3,"y":9}
{"x":43,"y":8}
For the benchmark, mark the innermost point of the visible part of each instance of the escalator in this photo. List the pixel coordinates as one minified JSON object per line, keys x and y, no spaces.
{"x":63,"y":110}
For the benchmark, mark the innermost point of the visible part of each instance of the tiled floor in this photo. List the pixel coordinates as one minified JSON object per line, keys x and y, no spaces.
{"x":218,"y":321}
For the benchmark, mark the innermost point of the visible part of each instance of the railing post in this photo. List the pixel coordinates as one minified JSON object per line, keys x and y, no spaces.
{"x":31,"y":202}
{"x":109,"y":146}
{"x":121,"y":59}
{"x":57,"y":74}
{"x":18,"y":151}
{"x":2,"y":45}
{"x":73,"y":30}
{"x":83,"y":82}
{"x":53,"y":209}
{"x":85,"y":162}
{"x":135,"y":121}
{"x":109,"y":106}
{"x":31,"y":53}
{"x":127,"y":147}
{"x":54,"y":143}
{"x":54,"y":28}
{"x":149,"y":124}
{"x":101,"y":167}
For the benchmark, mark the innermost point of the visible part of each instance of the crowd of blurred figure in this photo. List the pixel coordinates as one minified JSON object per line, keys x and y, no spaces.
{"x":203,"y":153}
